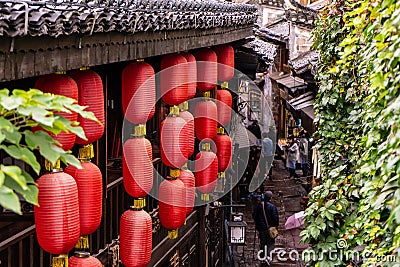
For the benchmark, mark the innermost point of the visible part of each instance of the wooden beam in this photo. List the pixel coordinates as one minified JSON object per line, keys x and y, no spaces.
{"x":43,"y":55}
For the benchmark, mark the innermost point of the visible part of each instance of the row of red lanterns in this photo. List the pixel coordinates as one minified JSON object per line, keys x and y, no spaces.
{"x":138,"y":145}
{"x":70,"y":202}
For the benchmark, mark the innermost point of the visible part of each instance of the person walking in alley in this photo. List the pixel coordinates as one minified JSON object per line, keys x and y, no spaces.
{"x":266,"y":157}
{"x":292,"y":157}
{"x":265,"y":216}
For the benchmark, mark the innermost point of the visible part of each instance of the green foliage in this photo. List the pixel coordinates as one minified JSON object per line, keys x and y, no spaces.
{"x":358,"y":115}
{"x":19,"y":112}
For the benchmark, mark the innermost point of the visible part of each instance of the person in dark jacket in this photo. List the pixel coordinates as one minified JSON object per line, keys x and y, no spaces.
{"x":271,"y":212}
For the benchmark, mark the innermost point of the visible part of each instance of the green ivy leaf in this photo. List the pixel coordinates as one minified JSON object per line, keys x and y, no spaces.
{"x":23,"y":154}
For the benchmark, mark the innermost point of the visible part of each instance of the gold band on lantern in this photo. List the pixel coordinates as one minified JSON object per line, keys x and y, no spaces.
{"x":224,"y":85}
{"x":221,"y":175}
{"x":83,"y":242}
{"x":61,"y":72}
{"x":173,"y":234}
{"x":205,"y":197}
{"x":84,"y":68}
{"x":140,"y":60}
{"x":139,"y":130}
{"x":184,"y":106}
{"x":207,"y":94}
{"x":86,"y":153}
{"x":139,"y":203}
{"x":174,"y":173}
{"x":60,"y":261}
{"x":206,"y":146}
{"x":53,"y":168}
{"x":174,"y":110}
{"x":220,"y":130}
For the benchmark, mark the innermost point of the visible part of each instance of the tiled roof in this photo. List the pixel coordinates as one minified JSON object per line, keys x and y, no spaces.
{"x":265,"y":50}
{"x":300,"y":14}
{"x":130,"y":16}
{"x":305,"y":61}
{"x":276,"y":31}
{"x":273,"y":3}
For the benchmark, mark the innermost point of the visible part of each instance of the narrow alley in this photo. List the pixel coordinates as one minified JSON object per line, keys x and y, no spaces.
{"x":287,"y":197}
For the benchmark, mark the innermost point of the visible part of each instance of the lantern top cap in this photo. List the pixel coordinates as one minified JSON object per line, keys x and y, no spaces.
{"x":206,"y":146}
{"x":139,"y":203}
{"x":220,"y":130}
{"x":224,"y":85}
{"x":174,"y":110}
{"x":53,"y":168}
{"x":174,"y":173}
{"x":81,"y":254}
{"x":207,"y":94}
{"x":184,"y":166}
{"x":86,"y":153}
{"x":139,"y":130}
{"x":140,"y":60}
{"x":184,"y":106}
{"x":221,"y":175}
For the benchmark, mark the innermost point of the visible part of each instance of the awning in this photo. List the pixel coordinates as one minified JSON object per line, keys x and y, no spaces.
{"x":303,"y":106}
{"x":288,"y":81}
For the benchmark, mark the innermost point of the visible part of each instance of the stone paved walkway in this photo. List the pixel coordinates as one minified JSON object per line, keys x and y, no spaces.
{"x":287,"y":196}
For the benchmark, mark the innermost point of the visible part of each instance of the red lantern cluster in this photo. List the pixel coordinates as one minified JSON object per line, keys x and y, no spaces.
{"x":135,"y":238}
{"x":207,"y":69}
{"x":206,"y":171}
{"x":206,"y":116}
{"x":57,"y":216}
{"x":192,"y":74}
{"x":90,"y":88}
{"x":189,"y":181}
{"x":174,"y":79}
{"x":83,"y":259}
{"x":139,"y":92}
{"x":61,"y":84}
{"x":189,"y":131}
{"x":226,"y":62}
{"x":173,"y":142}
{"x":137,"y":167}
{"x":90,"y":191}
{"x":224,"y":107}
{"x":172,"y":210}
{"x":223,"y":145}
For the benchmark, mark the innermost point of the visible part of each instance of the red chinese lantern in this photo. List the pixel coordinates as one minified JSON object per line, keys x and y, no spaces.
{"x":57,"y":216}
{"x":224,"y":106}
{"x":207,"y":69}
{"x":61,"y":84}
{"x":188,"y":180}
{"x":90,"y":190}
{"x":206,"y":171}
{"x":139,"y":92}
{"x":192,"y":74}
{"x":226,"y":62}
{"x":135,"y":238}
{"x":90,"y":87}
{"x":83,"y":259}
{"x":173,"y":140}
{"x":223,"y":144}
{"x":137,"y":164}
{"x":205,"y":122}
{"x":174,"y":79}
{"x":172,"y":210}
{"x":189,"y":128}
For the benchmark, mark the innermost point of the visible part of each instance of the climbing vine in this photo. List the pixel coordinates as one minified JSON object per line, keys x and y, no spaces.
{"x":355,"y":213}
